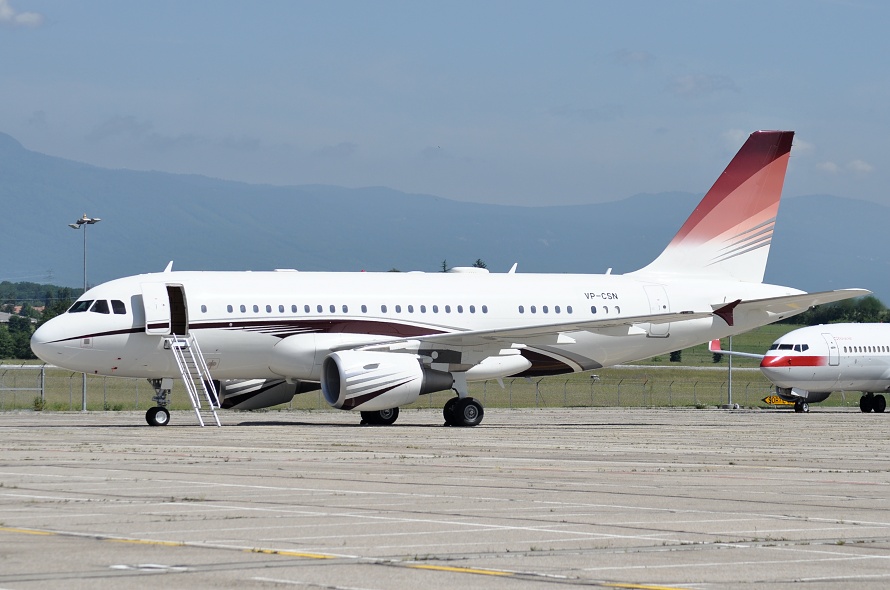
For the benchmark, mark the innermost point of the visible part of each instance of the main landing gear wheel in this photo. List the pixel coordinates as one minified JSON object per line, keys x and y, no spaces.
{"x":380,"y":417}
{"x":867,"y":402}
{"x":157,"y":416}
{"x":463,"y":412}
{"x":879,"y":404}
{"x":801,"y":407}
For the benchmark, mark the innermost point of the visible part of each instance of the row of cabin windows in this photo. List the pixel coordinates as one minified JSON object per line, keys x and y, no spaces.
{"x":867,"y":349}
{"x":568,"y":309}
{"x":99,"y":306}
{"x":345,"y":309}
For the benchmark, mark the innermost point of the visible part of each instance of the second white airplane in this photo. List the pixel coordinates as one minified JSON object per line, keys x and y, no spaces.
{"x":808,"y":364}
{"x":376,"y":341}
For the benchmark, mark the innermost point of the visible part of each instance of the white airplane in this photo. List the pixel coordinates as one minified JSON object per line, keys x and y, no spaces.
{"x":809,"y":363}
{"x":376,"y":341}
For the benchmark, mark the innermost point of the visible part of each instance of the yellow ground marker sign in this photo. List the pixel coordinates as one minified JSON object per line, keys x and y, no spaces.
{"x":775,"y":400}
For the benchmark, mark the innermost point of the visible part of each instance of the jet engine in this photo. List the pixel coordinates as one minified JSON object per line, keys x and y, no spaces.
{"x":373,"y":381}
{"x":253,"y":394}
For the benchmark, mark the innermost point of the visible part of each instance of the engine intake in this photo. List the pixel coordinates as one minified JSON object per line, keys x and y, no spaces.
{"x":372,"y":381}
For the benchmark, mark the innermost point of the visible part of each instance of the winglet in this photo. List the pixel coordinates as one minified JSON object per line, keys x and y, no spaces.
{"x":728,"y":235}
{"x":169,"y":267}
{"x":714,"y":345}
{"x":725,"y":312}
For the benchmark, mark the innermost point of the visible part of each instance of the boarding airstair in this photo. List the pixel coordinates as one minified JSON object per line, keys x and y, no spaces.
{"x":196,"y":376}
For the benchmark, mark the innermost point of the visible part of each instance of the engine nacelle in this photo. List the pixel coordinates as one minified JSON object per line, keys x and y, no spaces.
{"x":372,"y":381}
{"x":253,"y":394}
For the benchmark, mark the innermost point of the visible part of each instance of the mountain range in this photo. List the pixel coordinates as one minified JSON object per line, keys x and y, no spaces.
{"x":150,"y":218}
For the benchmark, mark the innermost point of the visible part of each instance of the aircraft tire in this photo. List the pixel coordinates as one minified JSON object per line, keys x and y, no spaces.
{"x":468,"y":412}
{"x":448,"y":412}
{"x":866,"y":403}
{"x":879,"y":404}
{"x":157,"y":416}
{"x":380,"y":417}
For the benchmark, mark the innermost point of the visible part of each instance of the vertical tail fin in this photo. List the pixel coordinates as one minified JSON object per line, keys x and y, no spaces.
{"x":729,"y":233}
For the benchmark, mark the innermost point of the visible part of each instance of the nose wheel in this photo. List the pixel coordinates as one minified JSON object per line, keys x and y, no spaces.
{"x":157,"y":416}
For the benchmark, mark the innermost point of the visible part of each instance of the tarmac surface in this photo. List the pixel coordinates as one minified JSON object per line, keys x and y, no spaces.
{"x":538,"y":498}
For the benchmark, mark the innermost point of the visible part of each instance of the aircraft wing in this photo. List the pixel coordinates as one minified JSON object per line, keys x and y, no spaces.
{"x":521,"y":333}
{"x":789,"y":304}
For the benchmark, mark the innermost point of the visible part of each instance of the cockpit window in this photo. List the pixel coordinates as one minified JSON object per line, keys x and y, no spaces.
{"x":118,"y":307}
{"x":100,"y":306}
{"x":786,"y":346}
{"x":80,"y":306}
{"x":774,"y":347}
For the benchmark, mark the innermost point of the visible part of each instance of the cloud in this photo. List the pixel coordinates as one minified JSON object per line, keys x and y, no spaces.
{"x":700,"y":85}
{"x":9,"y":16}
{"x":852,"y":167}
{"x":117,"y":126}
{"x":632,"y":57}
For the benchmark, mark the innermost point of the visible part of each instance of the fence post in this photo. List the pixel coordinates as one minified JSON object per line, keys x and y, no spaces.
{"x":619,"y":391}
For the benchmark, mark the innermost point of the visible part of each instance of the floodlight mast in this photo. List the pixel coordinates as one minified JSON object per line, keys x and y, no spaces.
{"x":84,"y":221}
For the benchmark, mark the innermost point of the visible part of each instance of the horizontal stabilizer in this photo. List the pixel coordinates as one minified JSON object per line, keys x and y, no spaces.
{"x":714,"y":346}
{"x":787,"y":305}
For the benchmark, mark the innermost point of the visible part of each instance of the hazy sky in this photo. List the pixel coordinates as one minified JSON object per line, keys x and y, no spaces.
{"x":505,"y":102}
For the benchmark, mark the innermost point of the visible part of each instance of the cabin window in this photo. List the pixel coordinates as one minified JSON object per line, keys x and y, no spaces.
{"x":345,"y":309}
{"x":383,"y":309}
{"x":280,"y":309}
{"x":521,"y":309}
{"x":398,"y":309}
{"x":333,"y":308}
{"x":243,"y":309}
{"x":484,"y":309}
{"x":592,"y":309}
{"x":319,"y":308}
{"x":555,"y":309}
{"x":410,"y":309}
{"x":230,"y":309}
{"x":306,"y":309}
{"x":423,"y":309}
{"x":100,"y":306}
{"x":447,"y":309}
{"x":268,"y":309}
{"x":460,"y":309}
{"x":203,"y":308}
{"x":533,"y":309}
{"x":256,"y":309}
{"x":364,"y":309}
{"x":293,"y":309}
{"x":545,"y":309}
{"x":435,"y":309}
{"x":568,"y":309}
{"x":472,"y":309}
{"x":119,"y":308}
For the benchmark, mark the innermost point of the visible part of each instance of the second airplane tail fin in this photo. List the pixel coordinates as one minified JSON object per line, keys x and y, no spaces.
{"x":728,"y":235}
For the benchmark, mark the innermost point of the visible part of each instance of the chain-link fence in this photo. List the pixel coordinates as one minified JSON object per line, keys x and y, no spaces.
{"x":40,"y":387}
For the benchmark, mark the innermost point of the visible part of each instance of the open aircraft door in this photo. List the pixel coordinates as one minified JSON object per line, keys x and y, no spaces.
{"x":165,"y":309}
{"x":833,"y":354}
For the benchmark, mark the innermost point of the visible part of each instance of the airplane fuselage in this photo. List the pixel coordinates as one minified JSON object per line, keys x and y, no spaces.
{"x":284,"y":323}
{"x":833,"y":357}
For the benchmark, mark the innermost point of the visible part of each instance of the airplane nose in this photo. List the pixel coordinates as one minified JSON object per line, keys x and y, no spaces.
{"x":42,"y":342}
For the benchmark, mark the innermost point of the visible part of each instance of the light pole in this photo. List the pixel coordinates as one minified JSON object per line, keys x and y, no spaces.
{"x":84,"y":221}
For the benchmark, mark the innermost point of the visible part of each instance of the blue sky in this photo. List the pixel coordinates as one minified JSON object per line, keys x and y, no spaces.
{"x":527,"y":103}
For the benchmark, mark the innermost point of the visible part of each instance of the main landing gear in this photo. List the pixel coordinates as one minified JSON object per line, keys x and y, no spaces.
{"x":800,"y":406}
{"x":870,"y":402}
{"x":381,"y":417}
{"x":462,"y":412}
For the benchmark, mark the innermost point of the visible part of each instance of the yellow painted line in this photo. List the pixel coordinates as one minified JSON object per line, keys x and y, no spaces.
{"x":460,"y":570}
{"x":291,"y":553}
{"x":147,"y":542}
{"x":24,"y":531}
